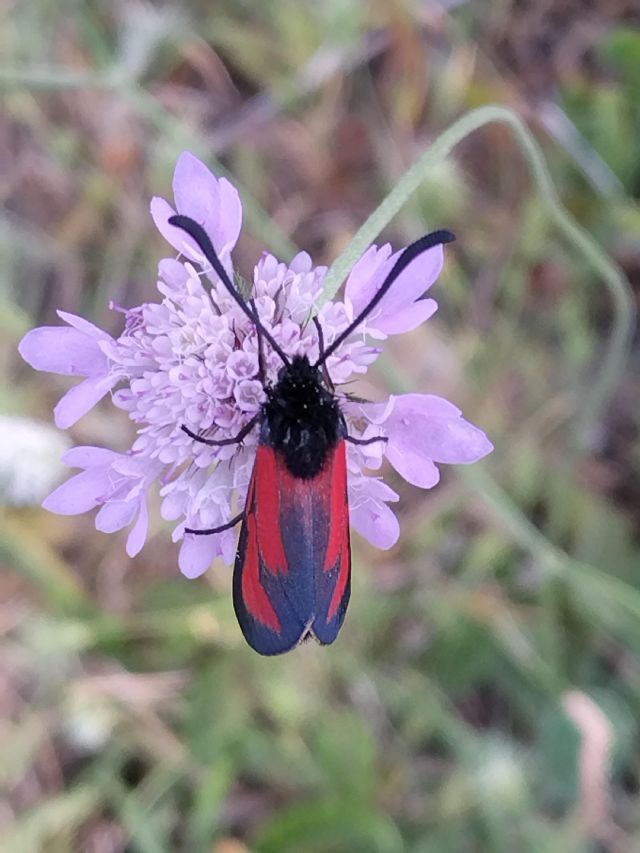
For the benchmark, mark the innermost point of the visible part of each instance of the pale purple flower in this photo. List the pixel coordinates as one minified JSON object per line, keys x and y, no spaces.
{"x":117,"y":483}
{"x":193,"y":360}
{"x":72,"y":350}
{"x":213,"y":202}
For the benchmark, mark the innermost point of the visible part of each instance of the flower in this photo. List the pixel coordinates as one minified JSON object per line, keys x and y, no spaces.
{"x":193,"y":359}
{"x":116,"y":482}
{"x":73,"y":350}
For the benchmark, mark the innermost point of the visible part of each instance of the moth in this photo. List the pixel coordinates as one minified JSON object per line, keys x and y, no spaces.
{"x":292,"y":572}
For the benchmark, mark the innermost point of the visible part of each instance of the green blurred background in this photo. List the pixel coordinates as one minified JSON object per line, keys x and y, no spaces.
{"x":484,"y":693}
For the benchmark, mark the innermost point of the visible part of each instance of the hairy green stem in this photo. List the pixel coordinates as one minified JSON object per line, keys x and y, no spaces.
{"x":601,"y":387}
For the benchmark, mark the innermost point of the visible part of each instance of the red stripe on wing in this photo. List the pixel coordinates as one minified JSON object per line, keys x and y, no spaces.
{"x":341,"y":585}
{"x":338,"y":548}
{"x":339,"y":507}
{"x":255,"y":598}
{"x":268,"y":477}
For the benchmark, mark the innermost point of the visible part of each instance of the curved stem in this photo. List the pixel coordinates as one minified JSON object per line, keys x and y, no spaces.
{"x":619,"y":341}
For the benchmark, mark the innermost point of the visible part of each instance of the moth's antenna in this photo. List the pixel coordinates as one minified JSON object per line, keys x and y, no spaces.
{"x":201,"y":237}
{"x":436,"y":238}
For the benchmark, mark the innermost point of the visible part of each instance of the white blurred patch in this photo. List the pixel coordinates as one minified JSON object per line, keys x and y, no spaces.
{"x":30,"y":460}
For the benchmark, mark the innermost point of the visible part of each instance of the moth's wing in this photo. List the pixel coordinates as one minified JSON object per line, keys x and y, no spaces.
{"x":332,"y":558}
{"x":292,"y":571}
{"x":272,"y":597}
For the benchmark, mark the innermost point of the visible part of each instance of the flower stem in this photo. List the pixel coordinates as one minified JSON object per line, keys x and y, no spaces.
{"x":601,"y":387}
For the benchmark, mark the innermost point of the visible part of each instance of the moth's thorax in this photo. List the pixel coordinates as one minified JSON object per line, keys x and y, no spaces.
{"x":301,"y":418}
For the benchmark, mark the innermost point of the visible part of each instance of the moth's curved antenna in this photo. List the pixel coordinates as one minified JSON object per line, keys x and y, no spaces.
{"x":197,"y":232}
{"x":436,"y":238}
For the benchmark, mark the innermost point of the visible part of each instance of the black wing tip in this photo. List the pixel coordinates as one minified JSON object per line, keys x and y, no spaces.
{"x":271,"y":647}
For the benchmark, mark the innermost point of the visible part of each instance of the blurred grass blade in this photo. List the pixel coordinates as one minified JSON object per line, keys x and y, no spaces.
{"x":32,"y":557}
{"x":33,"y":832}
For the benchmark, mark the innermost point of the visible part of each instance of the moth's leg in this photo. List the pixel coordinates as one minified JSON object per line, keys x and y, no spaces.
{"x":223,"y":442}
{"x":353,"y":440}
{"x":210,"y":530}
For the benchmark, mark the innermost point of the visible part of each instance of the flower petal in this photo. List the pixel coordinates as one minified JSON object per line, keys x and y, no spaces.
{"x":173,"y":273}
{"x":395,"y":312}
{"x":414,"y":467}
{"x":404,"y":407}
{"x":89,"y":457}
{"x":366,"y":276}
{"x":375,"y":521}
{"x":301,"y":262}
{"x":80,"y":493}
{"x":407,"y":319}
{"x":423,"y":429}
{"x":161,"y":211}
{"x":83,"y":325}
{"x":60,"y":349}
{"x":115,"y":515}
{"x":455,"y":441}
{"x":79,"y":400}
{"x":213,"y":203}
{"x":138,"y":535}
{"x":414,"y":280}
{"x":197,"y":553}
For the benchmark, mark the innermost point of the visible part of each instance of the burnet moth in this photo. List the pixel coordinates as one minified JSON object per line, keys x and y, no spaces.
{"x":292,"y":572}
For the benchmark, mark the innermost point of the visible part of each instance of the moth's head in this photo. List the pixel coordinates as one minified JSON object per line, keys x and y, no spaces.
{"x":299,"y":377}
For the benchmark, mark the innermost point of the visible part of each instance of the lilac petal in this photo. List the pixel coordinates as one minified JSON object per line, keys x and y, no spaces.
{"x":375,"y":413}
{"x":115,"y":515}
{"x":131,"y":465}
{"x":197,"y":553}
{"x":454,"y":441}
{"x":138,"y":535}
{"x":79,"y":494}
{"x":423,"y":429}
{"x":60,"y":349}
{"x":407,"y":319}
{"x":395,"y":312}
{"x":212,"y":202}
{"x":407,"y":406}
{"x":83,"y":325}
{"x":412,"y":466}
{"x":301,"y":263}
{"x":437,"y":429}
{"x":375,"y":521}
{"x":172,"y":506}
{"x":366,"y":276}
{"x":415,"y":279}
{"x":161,"y":211}
{"x":79,"y":400}
{"x":173,"y":273}
{"x":89,"y":457}
{"x":231,"y":214}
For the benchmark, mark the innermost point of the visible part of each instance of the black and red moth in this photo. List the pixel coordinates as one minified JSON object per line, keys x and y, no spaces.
{"x":292,"y":574}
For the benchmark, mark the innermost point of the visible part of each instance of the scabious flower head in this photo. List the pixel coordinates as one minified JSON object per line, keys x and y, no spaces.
{"x":193,"y":360}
